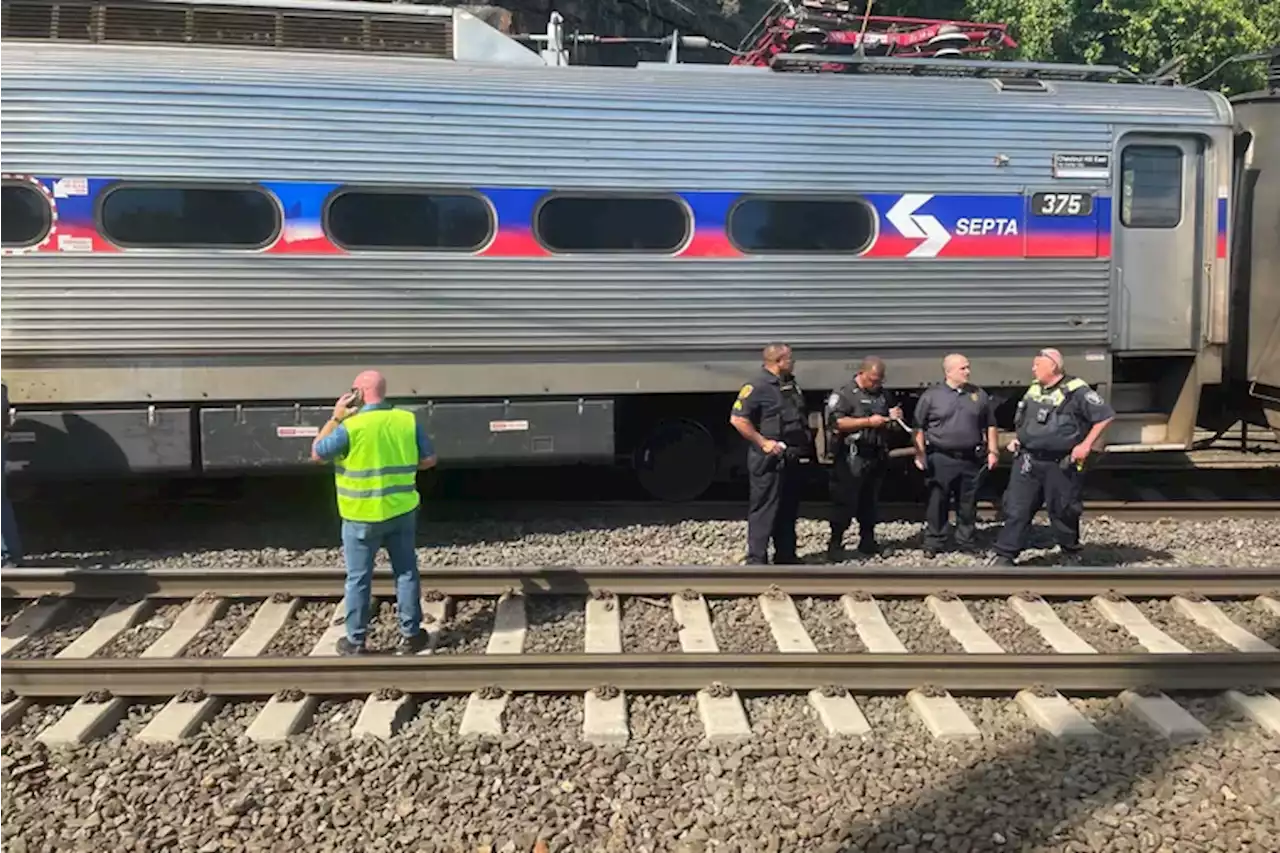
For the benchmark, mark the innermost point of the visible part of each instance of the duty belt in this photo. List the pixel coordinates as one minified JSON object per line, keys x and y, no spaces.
{"x":1047,"y":455}
{"x":967,"y":453}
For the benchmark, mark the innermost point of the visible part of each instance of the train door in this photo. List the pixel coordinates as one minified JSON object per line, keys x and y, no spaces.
{"x":1158,"y":247}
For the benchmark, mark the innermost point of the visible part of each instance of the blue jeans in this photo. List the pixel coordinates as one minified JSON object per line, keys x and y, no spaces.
{"x":361,"y":542}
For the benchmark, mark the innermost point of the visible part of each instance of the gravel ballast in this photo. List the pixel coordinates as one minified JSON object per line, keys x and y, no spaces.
{"x":828,"y":626}
{"x":556,"y":625}
{"x":616,"y":540}
{"x":917,"y":627}
{"x":739,"y":626}
{"x":1006,"y":627}
{"x":787,"y":789}
{"x":648,"y":625}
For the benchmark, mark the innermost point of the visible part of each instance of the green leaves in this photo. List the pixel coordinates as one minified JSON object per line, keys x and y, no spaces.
{"x":1140,"y":34}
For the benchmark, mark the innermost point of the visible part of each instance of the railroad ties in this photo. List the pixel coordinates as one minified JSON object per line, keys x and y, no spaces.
{"x":719,"y":705}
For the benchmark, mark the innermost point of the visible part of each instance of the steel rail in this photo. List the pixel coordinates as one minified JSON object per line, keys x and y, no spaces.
{"x":551,"y":673}
{"x":805,"y":579}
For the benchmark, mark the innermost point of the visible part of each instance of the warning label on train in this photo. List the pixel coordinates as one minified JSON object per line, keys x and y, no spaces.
{"x":1074,"y":164}
{"x":297,"y":432}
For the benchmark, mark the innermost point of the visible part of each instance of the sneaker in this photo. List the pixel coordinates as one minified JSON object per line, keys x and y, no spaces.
{"x":870,"y":549}
{"x":1071,"y":558}
{"x":412,"y":645}
{"x":786,"y":560}
{"x":347,"y":648}
{"x":930,"y":552}
{"x":999,"y":560}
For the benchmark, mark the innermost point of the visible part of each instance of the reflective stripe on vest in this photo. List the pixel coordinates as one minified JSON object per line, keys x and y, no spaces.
{"x":377,"y":477}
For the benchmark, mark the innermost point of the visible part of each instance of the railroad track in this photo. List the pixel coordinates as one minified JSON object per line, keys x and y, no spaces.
{"x":1174,"y":630}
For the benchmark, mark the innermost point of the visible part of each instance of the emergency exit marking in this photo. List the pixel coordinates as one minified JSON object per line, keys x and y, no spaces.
{"x":297,"y":432}
{"x":508,"y":426}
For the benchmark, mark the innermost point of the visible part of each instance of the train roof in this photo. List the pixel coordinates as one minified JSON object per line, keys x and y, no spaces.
{"x":40,"y":67}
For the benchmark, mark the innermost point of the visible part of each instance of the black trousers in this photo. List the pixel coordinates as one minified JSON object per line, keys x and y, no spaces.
{"x":855,"y":493}
{"x":1037,"y":482}
{"x":774,"y":504}
{"x":951,"y":477}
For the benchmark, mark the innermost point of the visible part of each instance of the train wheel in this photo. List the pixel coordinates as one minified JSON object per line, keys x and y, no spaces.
{"x":677,"y":461}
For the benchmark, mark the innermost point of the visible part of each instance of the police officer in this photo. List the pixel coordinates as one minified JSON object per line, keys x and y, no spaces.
{"x":857,"y":416}
{"x":956,"y":442}
{"x":1059,"y":419}
{"x":770,"y":414}
{"x":9,"y":523}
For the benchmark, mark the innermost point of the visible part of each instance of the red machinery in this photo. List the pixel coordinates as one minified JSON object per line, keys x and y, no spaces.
{"x":840,"y":28}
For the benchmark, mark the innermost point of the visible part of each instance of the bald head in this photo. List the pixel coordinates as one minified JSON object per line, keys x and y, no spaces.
{"x":372,"y":386}
{"x":777,"y":359}
{"x":955,"y":367}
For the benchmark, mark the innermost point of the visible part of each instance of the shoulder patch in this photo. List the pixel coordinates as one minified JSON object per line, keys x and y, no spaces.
{"x":974,"y":396}
{"x":833,"y":400}
{"x":745,"y":392}
{"x":1094,"y":397}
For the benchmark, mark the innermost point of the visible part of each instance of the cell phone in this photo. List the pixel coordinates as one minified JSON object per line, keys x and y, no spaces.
{"x":357,"y":399}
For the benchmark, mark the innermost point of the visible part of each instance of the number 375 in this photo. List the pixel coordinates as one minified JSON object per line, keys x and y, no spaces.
{"x":1062,"y":204}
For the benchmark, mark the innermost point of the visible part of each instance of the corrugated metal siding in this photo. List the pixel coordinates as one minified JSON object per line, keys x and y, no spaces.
{"x":212,"y":304}
{"x":205,"y":114}
{"x":146,"y":111}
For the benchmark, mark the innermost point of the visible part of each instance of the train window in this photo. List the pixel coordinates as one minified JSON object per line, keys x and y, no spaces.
{"x":393,"y":219}
{"x":1151,"y":186}
{"x":802,"y":225}
{"x":25,"y":217}
{"x":173,"y":216}
{"x":612,"y":224}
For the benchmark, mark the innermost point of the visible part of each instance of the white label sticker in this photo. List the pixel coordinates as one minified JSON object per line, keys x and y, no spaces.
{"x":22,"y":437}
{"x":297,"y":432}
{"x":508,"y":426}
{"x":1095,"y":356}
{"x":1093,"y":165}
{"x":68,"y":243}
{"x":67,"y":187}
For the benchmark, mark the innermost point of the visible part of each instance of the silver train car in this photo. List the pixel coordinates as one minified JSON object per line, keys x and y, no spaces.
{"x":205,"y":237}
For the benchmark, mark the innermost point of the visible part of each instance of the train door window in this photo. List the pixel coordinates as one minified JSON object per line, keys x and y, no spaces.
{"x":566,"y":223}
{"x":408,"y":220}
{"x":1151,"y":186}
{"x":153,"y":216}
{"x":785,"y":225}
{"x":25,"y":217}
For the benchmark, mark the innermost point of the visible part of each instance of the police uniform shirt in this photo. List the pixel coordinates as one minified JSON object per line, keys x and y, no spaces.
{"x":1056,"y":419}
{"x":774,"y":407}
{"x":853,"y":401}
{"x":955,"y":419}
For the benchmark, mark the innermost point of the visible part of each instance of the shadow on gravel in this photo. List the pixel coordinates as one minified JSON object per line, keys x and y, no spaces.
{"x":985,"y":807}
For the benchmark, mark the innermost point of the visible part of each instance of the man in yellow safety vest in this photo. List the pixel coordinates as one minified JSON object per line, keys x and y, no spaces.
{"x":377,"y":451}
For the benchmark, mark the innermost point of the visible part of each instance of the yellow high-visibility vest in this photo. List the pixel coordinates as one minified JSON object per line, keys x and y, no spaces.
{"x":376,"y":478}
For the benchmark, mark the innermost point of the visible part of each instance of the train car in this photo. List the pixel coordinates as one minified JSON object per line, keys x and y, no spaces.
{"x":1253,"y":354}
{"x":207,"y":235}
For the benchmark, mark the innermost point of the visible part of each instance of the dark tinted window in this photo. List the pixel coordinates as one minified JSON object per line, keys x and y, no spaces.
{"x":1151,"y":186}
{"x":240,"y":217}
{"x":401,"y":220}
{"x":620,"y":224}
{"x":24,"y":215}
{"x":801,"y":225}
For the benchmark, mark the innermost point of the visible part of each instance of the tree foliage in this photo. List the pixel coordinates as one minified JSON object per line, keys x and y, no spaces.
{"x":1140,"y":35}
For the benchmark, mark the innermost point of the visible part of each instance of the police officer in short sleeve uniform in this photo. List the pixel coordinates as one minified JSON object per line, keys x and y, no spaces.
{"x":770,"y":414}
{"x":856,"y":418}
{"x":956,"y":444}
{"x":1058,"y":420}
